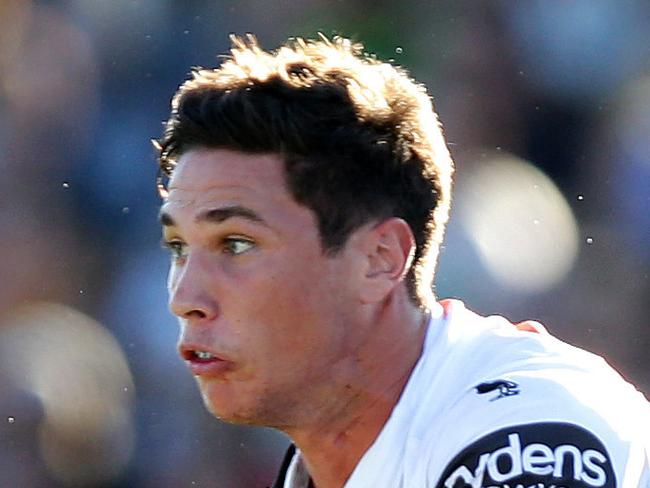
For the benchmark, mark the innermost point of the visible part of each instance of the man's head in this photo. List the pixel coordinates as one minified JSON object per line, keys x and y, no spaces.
{"x":359,"y":140}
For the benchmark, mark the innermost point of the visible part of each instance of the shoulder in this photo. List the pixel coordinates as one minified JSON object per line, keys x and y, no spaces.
{"x":541,"y":454}
{"x":527,"y":410}
{"x":532,"y":431}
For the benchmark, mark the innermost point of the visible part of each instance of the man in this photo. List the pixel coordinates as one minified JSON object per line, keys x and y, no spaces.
{"x":309,"y":189}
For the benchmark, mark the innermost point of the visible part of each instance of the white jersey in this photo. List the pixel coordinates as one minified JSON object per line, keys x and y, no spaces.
{"x":490,"y":405}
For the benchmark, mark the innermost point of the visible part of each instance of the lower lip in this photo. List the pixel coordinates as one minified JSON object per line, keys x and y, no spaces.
{"x":213,"y":367}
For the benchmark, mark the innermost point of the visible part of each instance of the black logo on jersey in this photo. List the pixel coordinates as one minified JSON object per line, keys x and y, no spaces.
{"x":542,"y":455}
{"x":506,"y":388}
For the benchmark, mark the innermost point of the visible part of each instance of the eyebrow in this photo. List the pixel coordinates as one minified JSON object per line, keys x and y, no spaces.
{"x":217,"y":216}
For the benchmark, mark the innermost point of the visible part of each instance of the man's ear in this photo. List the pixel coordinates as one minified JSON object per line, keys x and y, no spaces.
{"x":389,"y":248}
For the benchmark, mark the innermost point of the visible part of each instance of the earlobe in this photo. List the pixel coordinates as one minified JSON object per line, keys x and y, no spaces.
{"x":390,"y":249}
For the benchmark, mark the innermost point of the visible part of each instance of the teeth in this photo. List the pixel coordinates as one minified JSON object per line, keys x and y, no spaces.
{"x":203,"y":355}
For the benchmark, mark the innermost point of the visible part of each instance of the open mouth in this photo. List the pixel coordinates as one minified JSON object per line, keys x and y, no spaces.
{"x":203,"y":355}
{"x":204,"y":363}
{"x":196,"y":355}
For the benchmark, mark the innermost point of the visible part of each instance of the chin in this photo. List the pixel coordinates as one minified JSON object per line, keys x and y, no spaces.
{"x":238,"y":416}
{"x":252,"y":413}
{"x":228,"y":406}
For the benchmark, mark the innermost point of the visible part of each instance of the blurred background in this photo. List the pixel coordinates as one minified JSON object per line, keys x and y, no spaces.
{"x":546,"y":106}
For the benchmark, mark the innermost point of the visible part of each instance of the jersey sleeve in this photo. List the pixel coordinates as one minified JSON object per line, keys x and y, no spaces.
{"x":529,"y":432}
{"x":542,"y":454}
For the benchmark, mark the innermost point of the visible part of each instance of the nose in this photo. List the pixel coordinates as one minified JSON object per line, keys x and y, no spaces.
{"x":189,"y":290}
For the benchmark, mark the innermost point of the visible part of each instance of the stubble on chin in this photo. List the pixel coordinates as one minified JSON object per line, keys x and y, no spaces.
{"x":261,"y":410}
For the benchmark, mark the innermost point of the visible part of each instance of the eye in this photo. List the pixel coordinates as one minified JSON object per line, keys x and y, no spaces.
{"x":237,"y":245}
{"x":176,"y":248}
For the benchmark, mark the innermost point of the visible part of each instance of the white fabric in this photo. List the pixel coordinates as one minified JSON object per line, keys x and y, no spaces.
{"x":440,"y":412}
{"x":297,"y":475}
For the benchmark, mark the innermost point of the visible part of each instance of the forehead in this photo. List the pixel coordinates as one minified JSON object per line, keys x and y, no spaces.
{"x":204,"y":169}
{"x":206,"y":178}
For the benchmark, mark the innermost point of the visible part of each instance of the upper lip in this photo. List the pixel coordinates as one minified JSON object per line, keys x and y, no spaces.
{"x":188,"y":352}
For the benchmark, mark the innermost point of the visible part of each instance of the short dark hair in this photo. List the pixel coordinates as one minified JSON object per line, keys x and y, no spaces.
{"x":360,"y":140}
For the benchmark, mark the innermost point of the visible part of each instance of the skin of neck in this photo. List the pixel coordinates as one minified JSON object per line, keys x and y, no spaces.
{"x":335,"y":438}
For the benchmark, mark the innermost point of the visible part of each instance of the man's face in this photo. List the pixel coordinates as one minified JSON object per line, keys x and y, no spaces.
{"x":262,"y":310}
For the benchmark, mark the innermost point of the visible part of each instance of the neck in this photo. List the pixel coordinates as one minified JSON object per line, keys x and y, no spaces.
{"x":334,"y":442}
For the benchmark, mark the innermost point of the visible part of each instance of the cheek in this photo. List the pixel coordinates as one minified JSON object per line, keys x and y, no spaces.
{"x":290,"y":295}
{"x":300,"y":317}
{"x":290,"y":304}
{"x":267,"y":311}
{"x":271,"y":286}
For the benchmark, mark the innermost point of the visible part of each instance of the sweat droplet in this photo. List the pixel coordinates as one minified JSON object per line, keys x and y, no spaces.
{"x":11,"y":420}
{"x":399,"y":50}
{"x":590,"y":240}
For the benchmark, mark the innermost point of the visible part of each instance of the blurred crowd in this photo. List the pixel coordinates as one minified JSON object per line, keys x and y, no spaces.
{"x":546,"y":107}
